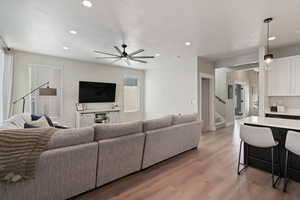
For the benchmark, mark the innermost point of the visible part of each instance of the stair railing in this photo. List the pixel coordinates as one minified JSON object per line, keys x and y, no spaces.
{"x":220,"y":100}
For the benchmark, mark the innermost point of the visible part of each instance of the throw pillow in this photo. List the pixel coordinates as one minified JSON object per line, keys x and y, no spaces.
{"x":26,"y":125}
{"x":40,"y":123}
{"x":37,"y":117}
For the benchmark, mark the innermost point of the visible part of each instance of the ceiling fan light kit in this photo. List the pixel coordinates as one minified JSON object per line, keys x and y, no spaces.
{"x":123,"y":55}
{"x":269,"y":56}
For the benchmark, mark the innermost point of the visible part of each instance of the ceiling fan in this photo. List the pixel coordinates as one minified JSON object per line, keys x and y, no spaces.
{"x":123,"y":55}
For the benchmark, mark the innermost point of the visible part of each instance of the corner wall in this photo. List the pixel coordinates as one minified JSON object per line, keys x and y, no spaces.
{"x":171,"y":89}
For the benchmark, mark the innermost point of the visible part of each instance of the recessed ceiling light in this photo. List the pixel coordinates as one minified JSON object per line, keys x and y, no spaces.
{"x":66,"y":48}
{"x":87,"y":3}
{"x":73,"y":32}
{"x":157,"y":55}
{"x":188,"y":43}
{"x":272,"y":38}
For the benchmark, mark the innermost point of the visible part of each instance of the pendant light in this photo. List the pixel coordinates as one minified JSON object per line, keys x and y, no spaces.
{"x":268,"y":57}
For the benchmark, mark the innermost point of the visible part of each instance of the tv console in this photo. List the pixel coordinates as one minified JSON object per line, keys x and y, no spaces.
{"x":90,"y":117}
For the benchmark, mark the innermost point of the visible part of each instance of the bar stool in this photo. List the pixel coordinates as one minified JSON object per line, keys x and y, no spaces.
{"x":291,"y":145}
{"x":258,"y":137}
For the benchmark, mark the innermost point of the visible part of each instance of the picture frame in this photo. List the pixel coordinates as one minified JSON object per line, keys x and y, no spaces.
{"x":80,"y":107}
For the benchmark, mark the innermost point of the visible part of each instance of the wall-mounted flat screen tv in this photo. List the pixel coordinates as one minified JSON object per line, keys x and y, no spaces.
{"x":92,"y":92}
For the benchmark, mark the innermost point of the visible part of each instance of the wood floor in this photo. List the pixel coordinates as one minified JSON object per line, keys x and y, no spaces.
{"x":208,"y":174}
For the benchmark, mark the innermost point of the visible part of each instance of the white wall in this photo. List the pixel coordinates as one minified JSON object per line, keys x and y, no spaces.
{"x":73,"y":72}
{"x":171,"y":89}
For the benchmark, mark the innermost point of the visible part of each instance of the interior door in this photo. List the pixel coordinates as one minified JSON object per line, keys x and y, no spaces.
{"x":205,"y":103}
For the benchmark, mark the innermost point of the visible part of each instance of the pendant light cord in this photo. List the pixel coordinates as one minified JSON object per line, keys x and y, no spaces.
{"x":268,"y":48}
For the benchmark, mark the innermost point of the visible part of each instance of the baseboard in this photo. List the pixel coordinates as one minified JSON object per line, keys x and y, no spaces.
{"x":229,"y":124}
{"x":212,"y":128}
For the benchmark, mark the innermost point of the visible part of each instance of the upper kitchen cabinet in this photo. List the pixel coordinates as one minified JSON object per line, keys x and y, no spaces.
{"x":295,"y":76}
{"x":279,"y":77}
{"x":284,"y":77}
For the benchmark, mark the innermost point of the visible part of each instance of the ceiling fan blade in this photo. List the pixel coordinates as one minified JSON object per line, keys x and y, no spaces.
{"x":118,"y":50}
{"x":108,"y":57}
{"x":115,"y":61}
{"x":143,"y":57}
{"x":140,"y":61}
{"x":110,"y":54}
{"x":127,"y":61}
{"x":136,"y":52}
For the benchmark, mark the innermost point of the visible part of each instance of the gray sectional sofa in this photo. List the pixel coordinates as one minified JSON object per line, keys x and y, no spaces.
{"x":79,"y":160}
{"x":169,"y":136}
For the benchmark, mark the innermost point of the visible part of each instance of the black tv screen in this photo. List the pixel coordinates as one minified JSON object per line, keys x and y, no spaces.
{"x":91,"y":92}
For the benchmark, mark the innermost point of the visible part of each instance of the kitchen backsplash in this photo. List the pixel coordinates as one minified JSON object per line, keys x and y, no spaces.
{"x":288,"y":102}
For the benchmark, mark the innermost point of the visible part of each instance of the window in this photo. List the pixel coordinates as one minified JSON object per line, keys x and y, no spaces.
{"x":131,"y":94}
{"x":49,"y":105}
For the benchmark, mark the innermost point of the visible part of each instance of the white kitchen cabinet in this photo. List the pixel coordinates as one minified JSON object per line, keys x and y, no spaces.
{"x":295,"y":76}
{"x":279,"y":76}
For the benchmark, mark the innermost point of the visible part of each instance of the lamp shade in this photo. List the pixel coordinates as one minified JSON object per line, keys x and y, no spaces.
{"x":47,"y":91}
{"x":268,"y":58}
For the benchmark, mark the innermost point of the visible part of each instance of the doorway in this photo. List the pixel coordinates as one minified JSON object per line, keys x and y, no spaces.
{"x":239,"y":106}
{"x":206,"y":87}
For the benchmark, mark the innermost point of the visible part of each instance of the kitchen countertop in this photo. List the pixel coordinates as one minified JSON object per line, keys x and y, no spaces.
{"x":291,"y":112}
{"x":273,"y":122}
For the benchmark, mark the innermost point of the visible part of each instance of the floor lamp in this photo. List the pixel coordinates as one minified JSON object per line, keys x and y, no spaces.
{"x":42,"y":92}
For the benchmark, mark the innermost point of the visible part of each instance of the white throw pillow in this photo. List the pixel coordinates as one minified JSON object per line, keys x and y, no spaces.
{"x":18,"y":120}
{"x":40,"y":123}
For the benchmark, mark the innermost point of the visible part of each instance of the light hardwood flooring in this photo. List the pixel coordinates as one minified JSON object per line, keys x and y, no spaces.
{"x":208,"y":174}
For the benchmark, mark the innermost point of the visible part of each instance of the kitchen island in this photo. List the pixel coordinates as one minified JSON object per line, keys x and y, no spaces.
{"x":260,"y":158}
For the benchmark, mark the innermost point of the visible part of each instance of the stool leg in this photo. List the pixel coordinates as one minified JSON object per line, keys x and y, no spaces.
{"x":286,"y":171}
{"x":272,"y":154}
{"x":279,"y":161}
{"x":274,"y":182}
{"x":239,"y":160}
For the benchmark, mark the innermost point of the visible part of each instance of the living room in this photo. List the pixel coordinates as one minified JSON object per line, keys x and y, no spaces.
{"x":122,"y":99}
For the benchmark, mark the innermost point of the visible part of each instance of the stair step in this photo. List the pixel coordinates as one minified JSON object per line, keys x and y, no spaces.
{"x":220,"y":124}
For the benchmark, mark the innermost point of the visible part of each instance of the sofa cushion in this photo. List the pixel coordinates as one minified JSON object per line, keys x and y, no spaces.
{"x":181,"y":119}
{"x":105,"y":131}
{"x":70,"y":137}
{"x":158,"y":123}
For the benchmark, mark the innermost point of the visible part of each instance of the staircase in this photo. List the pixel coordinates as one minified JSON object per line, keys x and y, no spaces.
{"x":219,"y":121}
{"x":220,"y":106}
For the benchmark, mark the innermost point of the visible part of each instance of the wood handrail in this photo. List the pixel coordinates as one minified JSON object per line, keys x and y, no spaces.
{"x":220,"y":100}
